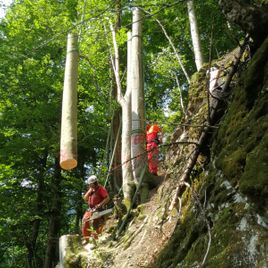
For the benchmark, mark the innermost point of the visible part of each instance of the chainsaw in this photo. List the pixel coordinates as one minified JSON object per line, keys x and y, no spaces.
{"x":97,"y":214}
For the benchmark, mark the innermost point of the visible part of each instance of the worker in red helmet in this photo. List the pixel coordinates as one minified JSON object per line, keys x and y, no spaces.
{"x":96,"y":197}
{"x":153,"y":139}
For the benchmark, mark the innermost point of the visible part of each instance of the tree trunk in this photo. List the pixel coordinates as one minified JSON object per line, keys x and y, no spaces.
{"x":125,"y":102}
{"x":128,"y":184}
{"x":68,"y":141}
{"x":51,"y":256}
{"x":79,"y":201}
{"x":251,"y":18}
{"x":116,"y":176}
{"x":138,"y":154}
{"x":195,"y":35}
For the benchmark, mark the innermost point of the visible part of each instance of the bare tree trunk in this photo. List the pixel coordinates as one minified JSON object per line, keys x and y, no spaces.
{"x":138,"y":155}
{"x":54,"y":220}
{"x":195,"y":35}
{"x":68,"y":141}
{"x":79,"y":201}
{"x":128,"y":184}
{"x":125,"y":102}
{"x":116,"y":176}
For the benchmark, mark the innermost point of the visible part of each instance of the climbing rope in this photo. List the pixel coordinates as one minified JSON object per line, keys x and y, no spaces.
{"x":148,"y":151}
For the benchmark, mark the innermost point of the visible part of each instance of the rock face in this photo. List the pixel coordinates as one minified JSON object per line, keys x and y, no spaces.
{"x":217,"y":216}
{"x":224,"y":219}
{"x":251,"y":17}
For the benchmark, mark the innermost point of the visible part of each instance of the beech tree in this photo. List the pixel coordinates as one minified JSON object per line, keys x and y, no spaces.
{"x":195,"y":35}
{"x":125,"y":102}
{"x":138,"y":155}
{"x":115,"y":142}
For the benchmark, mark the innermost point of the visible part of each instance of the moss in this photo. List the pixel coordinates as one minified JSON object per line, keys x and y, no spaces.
{"x":245,"y":109}
{"x":231,"y":256}
{"x":196,"y":253}
{"x":186,"y":202}
{"x":254,"y":180}
{"x":231,"y":246}
{"x":220,"y":196}
{"x":189,"y":243}
{"x":243,"y":156}
{"x":241,"y":146}
{"x":144,"y":193}
{"x":140,"y":212}
{"x":127,"y":202}
{"x":238,"y":145}
{"x":233,"y":164}
{"x":254,"y":76}
{"x":73,"y":258}
{"x":184,"y":237}
{"x":223,"y":234}
{"x":197,"y":92}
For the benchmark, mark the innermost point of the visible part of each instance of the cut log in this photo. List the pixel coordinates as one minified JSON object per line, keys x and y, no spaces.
{"x":68,"y":144}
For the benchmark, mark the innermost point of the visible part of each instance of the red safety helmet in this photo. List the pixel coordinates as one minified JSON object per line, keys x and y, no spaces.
{"x":154,"y":128}
{"x":148,"y":127}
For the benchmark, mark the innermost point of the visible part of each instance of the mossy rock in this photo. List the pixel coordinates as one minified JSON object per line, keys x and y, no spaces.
{"x":233,"y":163}
{"x":254,"y":180}
{"x":186,"y":233}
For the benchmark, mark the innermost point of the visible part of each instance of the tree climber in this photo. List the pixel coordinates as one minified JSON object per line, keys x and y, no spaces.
{"x":96,"y":197}
{"x":152,"y":141}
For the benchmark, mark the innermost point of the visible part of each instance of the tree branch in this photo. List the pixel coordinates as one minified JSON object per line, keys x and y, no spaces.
{"x":181,"y":99}
{"x":173,"y":47}
{"x":115,"y":64}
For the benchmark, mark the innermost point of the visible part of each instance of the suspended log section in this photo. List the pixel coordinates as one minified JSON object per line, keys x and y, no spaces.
{"x":68,"y":143}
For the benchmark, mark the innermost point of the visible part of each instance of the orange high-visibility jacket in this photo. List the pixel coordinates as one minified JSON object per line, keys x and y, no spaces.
{"x":151,"y":132}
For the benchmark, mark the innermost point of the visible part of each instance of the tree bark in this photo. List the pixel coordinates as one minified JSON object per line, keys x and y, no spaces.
{"x":251,"y":18}
{"x":128,"y":184}
{"x":116,"y":176}
{"x":137,"y":102}
{"x":195,"y":35}
{"x":68,"y":141}
{"x":125,"y":102}
{"x":79,"y":201}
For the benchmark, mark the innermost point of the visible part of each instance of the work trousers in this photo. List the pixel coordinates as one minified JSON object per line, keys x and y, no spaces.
{"x":92,"y":228}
